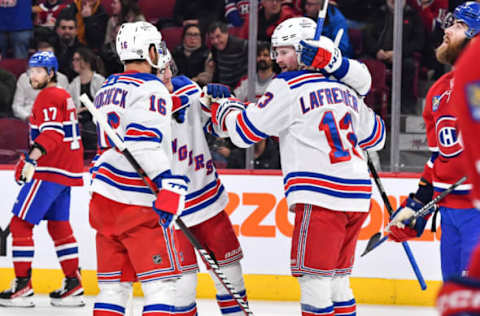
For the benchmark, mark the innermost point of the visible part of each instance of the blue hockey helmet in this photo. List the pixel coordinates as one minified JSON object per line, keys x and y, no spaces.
{"x":44,"y":59}
{"x":469,"y":13}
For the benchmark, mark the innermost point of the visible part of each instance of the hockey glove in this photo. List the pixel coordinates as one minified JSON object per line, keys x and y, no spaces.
{"x":459,"y":296}
{"x":400,"y":229}
{"x":221,"y":109}
{"x":179,"y":107}
{"x":170,"y":197}
{"x":321,"y":54}
{"x":24,"y":169}
{"x":213,"y":92}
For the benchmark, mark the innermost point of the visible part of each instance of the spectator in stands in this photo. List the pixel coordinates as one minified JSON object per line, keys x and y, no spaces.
{"x":270,"y":15}
{"x":379,"y":44}
{"x":91,"y":20}
{"x":109,"y":55}
{"x":67,"y":44}
{"x":47,"y":12}
{"x":85,"y":62}
{"x":264,"y":75}
{"x":230,"y":55}
{"x":236,"y":11}
{"x":334,"y":21}
{"x":266,"y":155}
{"x":192,"y":55}
{"x":16,"y":27}
{"x":25,"y":95}
{"x":359,"y":12}
{"x":122,"y":11}
{"x":201,"y":12}
{"x":7,"y":90}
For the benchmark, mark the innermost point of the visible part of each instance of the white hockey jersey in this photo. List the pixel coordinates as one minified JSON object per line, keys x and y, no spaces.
{"x":206,"y":195}
{"x":323,"y":125}
{"x":138,"y":107}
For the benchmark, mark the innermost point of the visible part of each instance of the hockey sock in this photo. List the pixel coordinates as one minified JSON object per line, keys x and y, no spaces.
{"x":185,"y":304}
{"x":316,"y":296}
{"x":342,"y":295}
{"x":228,"y":305}
{"x":347,"y":308}
{"x":112,"y":298}
{"x":159,"y":297}
{"x":65,"y":245}
{"x":22,"y":246}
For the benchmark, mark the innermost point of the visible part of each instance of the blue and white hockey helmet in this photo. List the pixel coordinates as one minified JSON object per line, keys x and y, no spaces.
{"x":469,"y":13}
{"x":44,"y":59}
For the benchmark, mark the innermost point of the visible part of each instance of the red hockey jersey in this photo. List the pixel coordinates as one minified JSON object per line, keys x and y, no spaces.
{"x":466,"y":97}
{"x":54,"y":126}
{"x":446,"y":165}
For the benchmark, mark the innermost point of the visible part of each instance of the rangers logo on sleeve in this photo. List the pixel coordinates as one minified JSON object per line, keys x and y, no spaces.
{"x":473,"y":99}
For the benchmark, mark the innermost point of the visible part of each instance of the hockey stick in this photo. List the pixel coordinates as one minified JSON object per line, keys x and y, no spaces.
{"x":320,"y":20}
{"x":372,"y":244}
{"x":386,"y":201}
{"x":120,"y":145}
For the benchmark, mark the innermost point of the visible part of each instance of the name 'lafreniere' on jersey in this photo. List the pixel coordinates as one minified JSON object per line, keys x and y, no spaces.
{"x":323,"y":126}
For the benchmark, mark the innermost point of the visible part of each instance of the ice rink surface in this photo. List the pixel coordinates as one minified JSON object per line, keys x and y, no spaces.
{"x":209,"y":308}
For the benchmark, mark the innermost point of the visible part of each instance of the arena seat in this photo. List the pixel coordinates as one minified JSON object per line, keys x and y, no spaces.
{"x":356,"y":39}
{"x":153,"y":11}
{"x":377,"y":98}
{"x":14,"y":139}
{"x":15,"y":66}
{"x":172,"y":36}
{"x":107,"y":5}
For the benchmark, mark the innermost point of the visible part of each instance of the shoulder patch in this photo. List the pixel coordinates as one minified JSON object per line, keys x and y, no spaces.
{"x":473,"y":99}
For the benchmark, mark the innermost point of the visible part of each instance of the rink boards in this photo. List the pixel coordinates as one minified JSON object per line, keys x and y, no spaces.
{"x":259,"y":213}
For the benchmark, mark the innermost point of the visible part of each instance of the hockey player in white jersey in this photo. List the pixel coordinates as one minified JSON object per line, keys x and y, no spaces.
{"x":206,"y":198}
{"x":323,"y":126}
{"x":129,"y":235}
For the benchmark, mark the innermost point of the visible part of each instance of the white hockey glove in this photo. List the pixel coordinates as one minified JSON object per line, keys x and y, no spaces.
{"x":321,"y":54}
{"x":25,"y":169}
{"x":170,"y":197}
{"x":221,"y":109}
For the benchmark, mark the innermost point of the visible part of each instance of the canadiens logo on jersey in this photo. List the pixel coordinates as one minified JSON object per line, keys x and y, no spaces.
{"x":473,"y":97}
{"x":449,"y":143}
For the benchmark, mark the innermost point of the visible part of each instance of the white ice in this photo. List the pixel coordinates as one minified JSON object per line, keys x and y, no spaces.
{"x":209,"y":308}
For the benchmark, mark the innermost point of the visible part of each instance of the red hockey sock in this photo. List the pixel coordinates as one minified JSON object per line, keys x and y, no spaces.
{"x":22,"y":246}
{"x":65,"y":245}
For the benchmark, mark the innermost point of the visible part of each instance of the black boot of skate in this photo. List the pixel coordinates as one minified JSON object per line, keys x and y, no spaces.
{"x":71,"y":293}
{"x":20,"y":294}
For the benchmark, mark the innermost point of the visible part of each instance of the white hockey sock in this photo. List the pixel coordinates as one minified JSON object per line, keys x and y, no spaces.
{"x":112,"y":298}
{"x":316,"y":295}
{"x":228,"y":305}
{"x":185,"y":303}
{"x":159,"y":297}
{"x":342,"y":295}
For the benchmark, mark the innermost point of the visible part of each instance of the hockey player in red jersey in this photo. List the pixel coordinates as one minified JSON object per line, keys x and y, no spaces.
{"x":322,"y":125}
{"x":459,"y":296}
{"x":123,"y":210}
{"x":53,"y":164}
{"x":206,"y":199}
{"x":460,"y":222}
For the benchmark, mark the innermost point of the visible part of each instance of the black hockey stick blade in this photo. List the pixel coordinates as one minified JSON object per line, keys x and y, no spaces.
{"x":371,"y":243}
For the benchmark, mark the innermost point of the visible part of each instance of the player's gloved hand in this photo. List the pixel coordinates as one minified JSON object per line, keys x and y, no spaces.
{"x":179,"y":107}
{"x":213,"y":92}
{"x":24,"y":169}
{"x":401,"y":221}
{"x":222,"y":108}
{"x":321,"y":54}
{"x":459,"y":296}
{"x":170,"y":197}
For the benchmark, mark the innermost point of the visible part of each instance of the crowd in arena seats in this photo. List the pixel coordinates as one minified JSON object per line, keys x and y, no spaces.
{"x":209,"y":43}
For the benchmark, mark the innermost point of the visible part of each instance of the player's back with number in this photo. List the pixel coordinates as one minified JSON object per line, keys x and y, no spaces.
{"x":323,"y":125}
{"x":54,"y":119}
{"x":138,"y":107}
